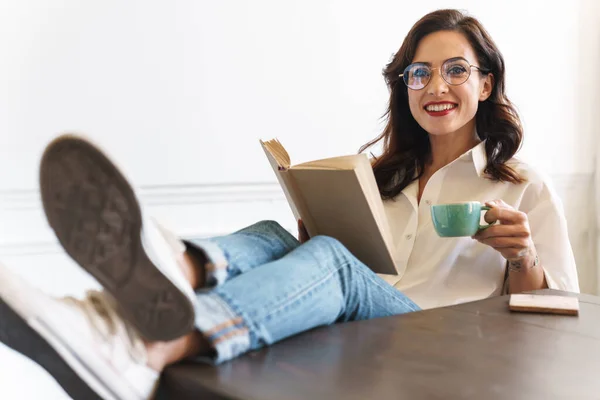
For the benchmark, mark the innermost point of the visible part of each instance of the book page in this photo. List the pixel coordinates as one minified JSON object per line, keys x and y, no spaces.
{"x":287,"y":185}
{"x":342,"y":162}
{"x":277,"y":152}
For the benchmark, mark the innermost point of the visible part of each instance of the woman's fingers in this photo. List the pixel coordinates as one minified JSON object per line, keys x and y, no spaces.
{"x":302,"y":233}
{"x":506,"y":242}
{"x":502,"y":230}
{"x":505,"y":215}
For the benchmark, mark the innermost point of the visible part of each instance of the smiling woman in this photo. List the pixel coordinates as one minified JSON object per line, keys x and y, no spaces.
{"x":455,"y":108}
{"x":448,"y":105}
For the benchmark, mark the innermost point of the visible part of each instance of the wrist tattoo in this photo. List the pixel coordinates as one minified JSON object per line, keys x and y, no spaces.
{"x":518,"y":265}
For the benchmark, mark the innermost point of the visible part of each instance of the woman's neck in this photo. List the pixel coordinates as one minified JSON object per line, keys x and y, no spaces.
{"x":447,"y":148}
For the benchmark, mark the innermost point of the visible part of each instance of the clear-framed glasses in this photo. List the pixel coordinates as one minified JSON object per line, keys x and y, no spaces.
{"x":455,"y":71}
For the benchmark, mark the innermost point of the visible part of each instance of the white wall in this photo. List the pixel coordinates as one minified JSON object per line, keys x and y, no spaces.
{"x":589,"y":117}
{"x":181,"y":91}
{"x":176,"y":81}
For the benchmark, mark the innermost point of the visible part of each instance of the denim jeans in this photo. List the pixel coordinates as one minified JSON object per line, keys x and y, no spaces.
{"x":266,"y":286}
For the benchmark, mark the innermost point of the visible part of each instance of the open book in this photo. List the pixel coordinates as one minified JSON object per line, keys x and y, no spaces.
{"x":338,"y":197}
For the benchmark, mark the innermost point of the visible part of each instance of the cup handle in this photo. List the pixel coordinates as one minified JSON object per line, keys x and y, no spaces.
{"x":485,"y":208}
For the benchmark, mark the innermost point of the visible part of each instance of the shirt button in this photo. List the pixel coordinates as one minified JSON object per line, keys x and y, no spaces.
{"x":428,"y":202}
{"x":408,"y":237}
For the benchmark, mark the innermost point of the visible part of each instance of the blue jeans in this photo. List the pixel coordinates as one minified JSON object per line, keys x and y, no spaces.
{"x":266,"y":286}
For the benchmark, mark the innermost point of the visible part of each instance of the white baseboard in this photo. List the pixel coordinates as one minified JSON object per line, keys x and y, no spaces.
{"x":190,"y":210}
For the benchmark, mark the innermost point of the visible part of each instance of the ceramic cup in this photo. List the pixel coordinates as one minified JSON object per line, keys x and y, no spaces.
{"x":458,"y":219}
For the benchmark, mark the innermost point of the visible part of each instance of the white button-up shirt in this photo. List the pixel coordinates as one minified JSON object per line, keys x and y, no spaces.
{"x":436,"y":272}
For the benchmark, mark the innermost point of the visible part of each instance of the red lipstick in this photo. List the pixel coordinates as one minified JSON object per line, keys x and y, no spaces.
{"x":443,"y":112}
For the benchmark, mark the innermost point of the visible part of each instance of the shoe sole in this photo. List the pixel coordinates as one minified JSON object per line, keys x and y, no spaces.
{"x":97,"y":219}
{"x":19,"y":336}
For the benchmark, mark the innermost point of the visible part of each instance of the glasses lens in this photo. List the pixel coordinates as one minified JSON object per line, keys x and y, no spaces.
{"x":416,"y":76}
{"x":456,"y":72}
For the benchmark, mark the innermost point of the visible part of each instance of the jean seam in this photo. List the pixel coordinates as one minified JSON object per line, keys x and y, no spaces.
{"x":367,"y":273}
{"x":302,"y":293}
{"x":248,"y":322}
{"x":389,"y":289}
{"x":346,"y":263}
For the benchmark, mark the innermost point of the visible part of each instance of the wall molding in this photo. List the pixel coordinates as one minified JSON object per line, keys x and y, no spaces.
{"x":21,"y":211}
{"x":203,"y":210}
{"x":176,"y":194}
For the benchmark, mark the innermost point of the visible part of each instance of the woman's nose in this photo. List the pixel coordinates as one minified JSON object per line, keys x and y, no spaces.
{"x":437,"y":84}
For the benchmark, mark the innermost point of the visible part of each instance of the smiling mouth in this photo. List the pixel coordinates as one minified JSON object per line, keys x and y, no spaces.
{"x":440,"y":107}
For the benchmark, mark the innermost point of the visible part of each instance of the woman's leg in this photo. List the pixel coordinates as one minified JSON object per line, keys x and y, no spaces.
{"x":225,"y":257}
{"x":318,"y":283}
{"x":96,"y":217}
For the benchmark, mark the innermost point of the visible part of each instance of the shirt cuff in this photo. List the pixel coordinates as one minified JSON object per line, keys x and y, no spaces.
{"x":550,"y":281}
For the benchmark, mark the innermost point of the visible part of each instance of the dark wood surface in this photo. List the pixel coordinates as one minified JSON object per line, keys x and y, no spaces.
{"x":477,"y":350}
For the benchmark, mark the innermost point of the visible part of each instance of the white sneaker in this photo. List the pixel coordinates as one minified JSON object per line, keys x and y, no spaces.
{"x":86,"y":346}
{"x":97,"y":219}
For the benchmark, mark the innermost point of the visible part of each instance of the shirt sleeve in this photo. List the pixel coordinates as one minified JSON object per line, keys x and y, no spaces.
{"x":550,"y":236}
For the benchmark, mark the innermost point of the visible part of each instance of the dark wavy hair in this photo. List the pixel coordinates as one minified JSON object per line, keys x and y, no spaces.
{"x":406,"y":146}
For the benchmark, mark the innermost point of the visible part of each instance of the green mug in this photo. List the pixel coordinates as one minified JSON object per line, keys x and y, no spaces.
{"x":458,"y":219}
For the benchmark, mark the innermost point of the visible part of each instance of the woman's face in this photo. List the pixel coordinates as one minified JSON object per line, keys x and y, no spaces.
{"x":441,"y":108}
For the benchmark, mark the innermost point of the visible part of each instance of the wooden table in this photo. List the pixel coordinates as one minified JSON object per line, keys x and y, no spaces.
{"x":477,"y":350}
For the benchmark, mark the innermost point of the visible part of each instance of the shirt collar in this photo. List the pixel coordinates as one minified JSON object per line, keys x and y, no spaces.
{"x":478,"y":156}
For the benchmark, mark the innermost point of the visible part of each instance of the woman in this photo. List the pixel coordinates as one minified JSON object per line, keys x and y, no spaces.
{"x":451,"y":136}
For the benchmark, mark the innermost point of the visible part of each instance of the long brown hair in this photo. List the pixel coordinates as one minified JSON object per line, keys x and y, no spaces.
{"x":406,"y":146}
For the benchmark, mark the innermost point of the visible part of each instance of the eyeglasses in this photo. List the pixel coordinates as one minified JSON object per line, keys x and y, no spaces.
{"x":455,"y":71}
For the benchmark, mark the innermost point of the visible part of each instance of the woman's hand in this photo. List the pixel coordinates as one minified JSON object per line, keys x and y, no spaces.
{"x":511,"y":237}
{"x":302,"y":233}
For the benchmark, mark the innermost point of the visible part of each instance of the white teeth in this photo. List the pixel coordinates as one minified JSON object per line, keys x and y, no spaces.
{"x":440,"y":107}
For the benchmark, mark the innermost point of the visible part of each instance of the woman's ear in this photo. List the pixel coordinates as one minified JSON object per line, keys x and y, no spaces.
{"x":486,"y":87}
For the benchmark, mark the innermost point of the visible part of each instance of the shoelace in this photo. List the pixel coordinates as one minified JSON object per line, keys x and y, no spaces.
{"x":101,"y":314}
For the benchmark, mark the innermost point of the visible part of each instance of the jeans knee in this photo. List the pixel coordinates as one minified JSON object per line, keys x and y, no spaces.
{"x":328,"y":242}
{"x":269,"y":226}
{"x":332,"y":252}
{"x":273,"y":229}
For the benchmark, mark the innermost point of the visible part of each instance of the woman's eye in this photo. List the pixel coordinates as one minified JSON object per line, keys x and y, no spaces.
{"x":455,"y":70}
{"x":420,"y":72}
